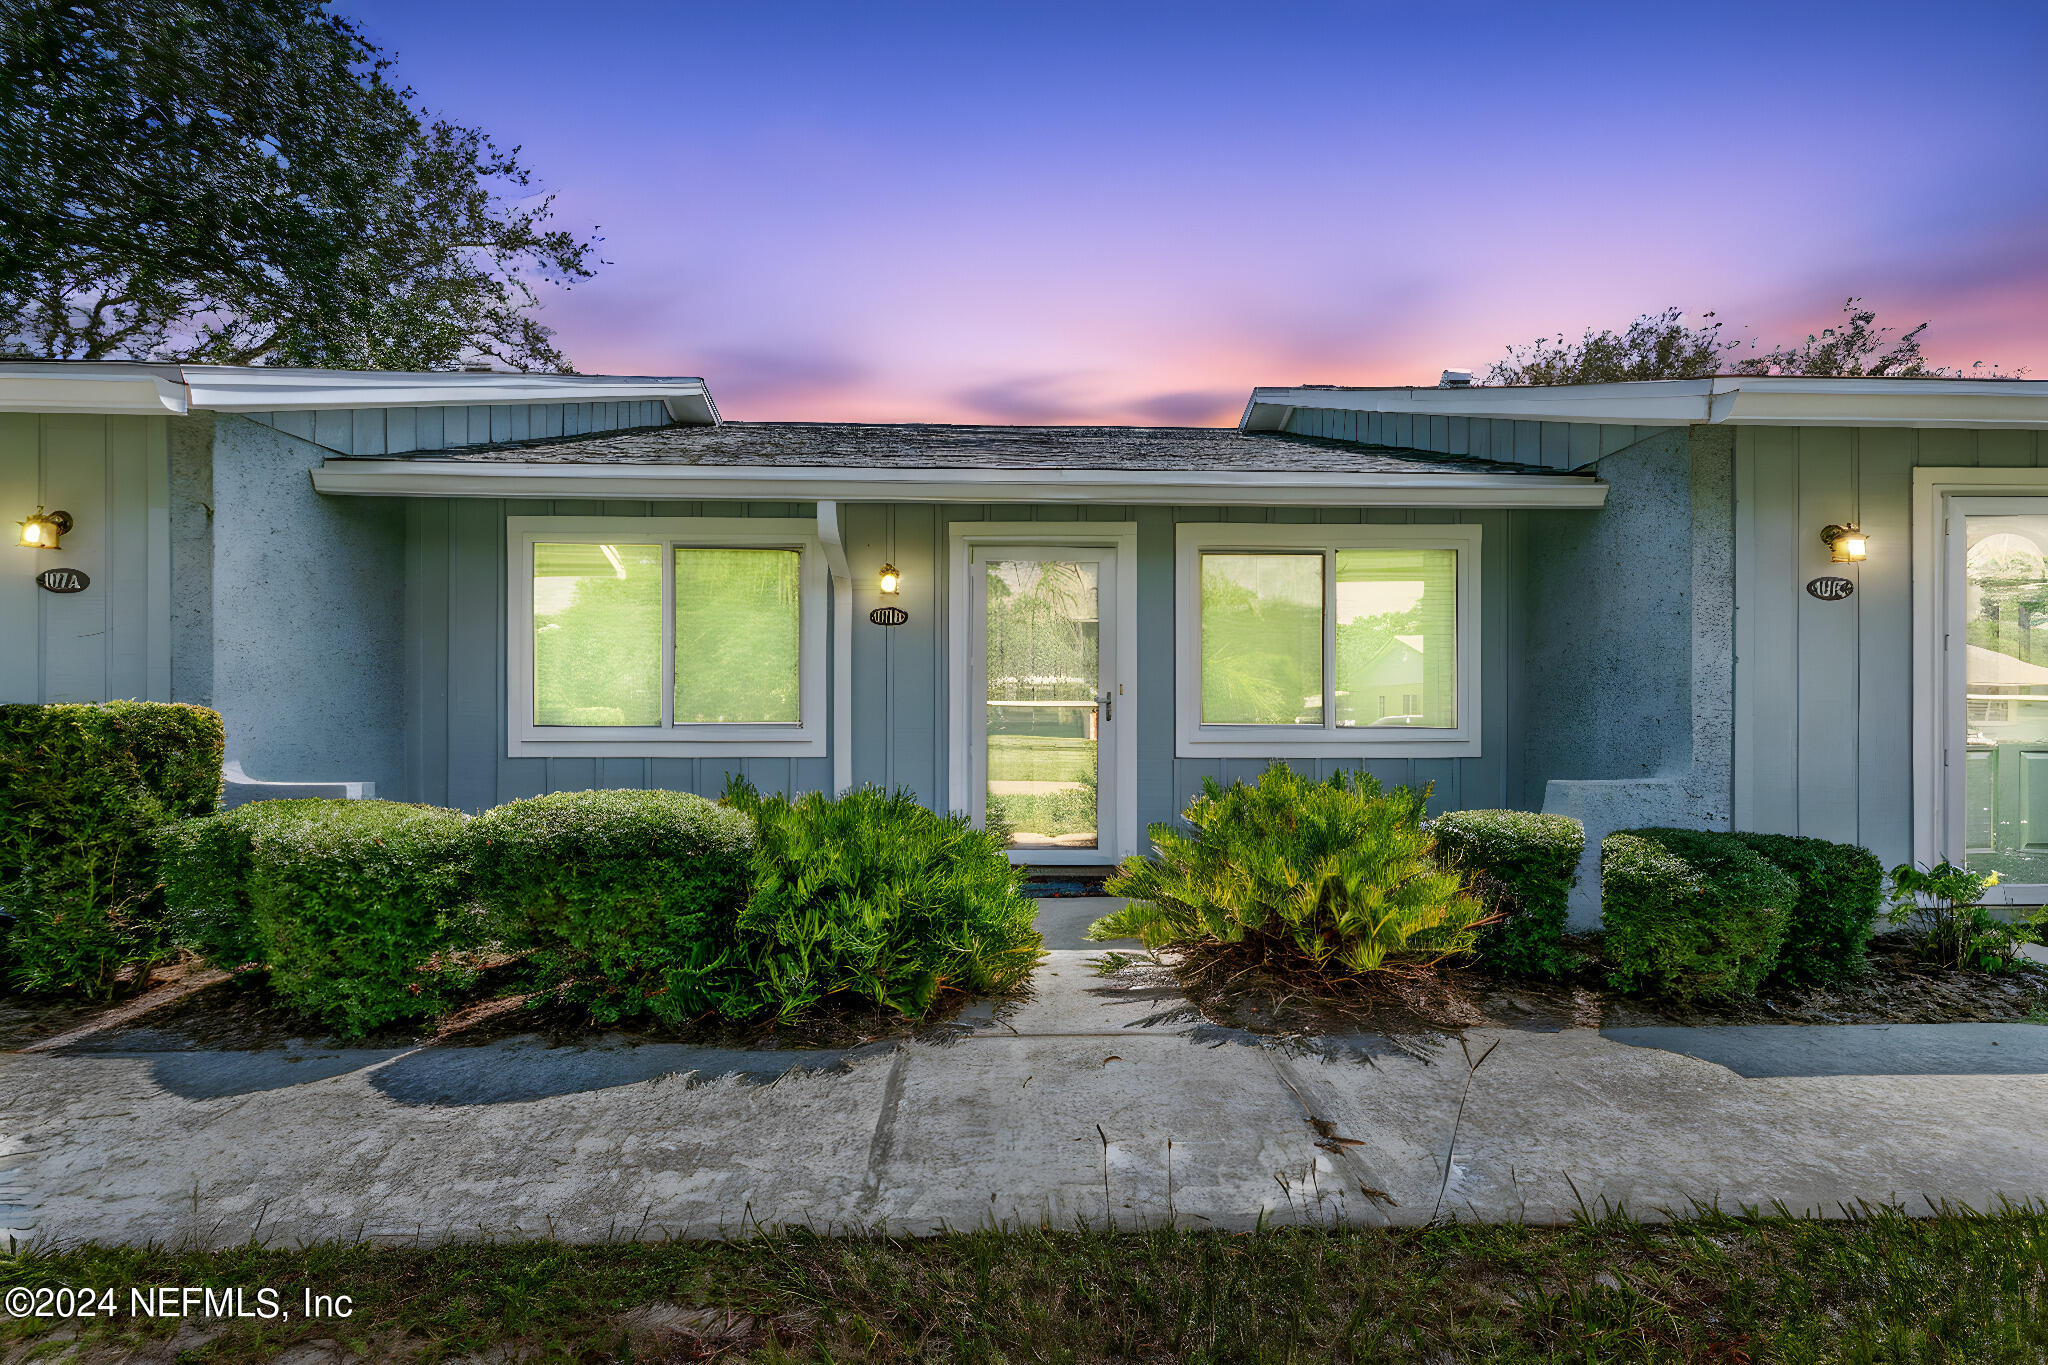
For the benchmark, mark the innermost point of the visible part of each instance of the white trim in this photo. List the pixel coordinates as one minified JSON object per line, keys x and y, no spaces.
{"x":1737,"y":400}
{"x":145,"y":390}
{"x":1117,"y":797}
{"x":233,"y":388}
{"x":1207,"y":488}
{"x":524,"y":739}
{"x":1192,"y":739}
{"x":833,"y":538}
{"x":145,"y":387}
{"x":1937,"y":667}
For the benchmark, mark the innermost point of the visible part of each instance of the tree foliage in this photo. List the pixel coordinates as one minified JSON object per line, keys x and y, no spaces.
{"x":238,"y":181}
{"x":1665,"y":346}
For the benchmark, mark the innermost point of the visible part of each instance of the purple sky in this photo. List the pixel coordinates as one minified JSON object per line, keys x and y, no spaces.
{"x":1135,"y":213}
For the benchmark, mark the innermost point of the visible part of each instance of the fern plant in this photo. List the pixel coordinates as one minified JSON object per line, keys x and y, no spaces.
{"x":870,"y":895}
{"x":1339,"y":877}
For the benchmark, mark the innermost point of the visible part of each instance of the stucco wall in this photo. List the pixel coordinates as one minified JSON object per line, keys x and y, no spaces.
{"x":1628,"y":695}
{"x":191,"y":450}
{"x":308,"y":616}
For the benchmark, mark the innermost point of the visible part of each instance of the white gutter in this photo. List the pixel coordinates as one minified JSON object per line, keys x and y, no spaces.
{"x":239,"y":388}
{"x":833,"y":540}
{"x":135,"y":387}
{"x":430,"y":478}
{"x":116,"y":388}
{"x":1737,"y":400}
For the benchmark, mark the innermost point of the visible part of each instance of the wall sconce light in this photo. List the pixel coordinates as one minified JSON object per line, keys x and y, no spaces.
{"x":891,"y":580}
{"x":1846,"y":544}
{"x":42,"y":530}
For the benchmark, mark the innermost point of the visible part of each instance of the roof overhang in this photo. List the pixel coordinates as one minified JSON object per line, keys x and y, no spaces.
{"x":425,"y":478}
{"x":233,"y":388}
{"x":116,"y":388}
{"x":125,"y":387}
{"x":1735,"y":400}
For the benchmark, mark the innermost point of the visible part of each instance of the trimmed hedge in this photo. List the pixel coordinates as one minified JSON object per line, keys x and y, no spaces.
{"x":1691,"y":914}
{"x":632,"y":896}
{"x":1841,"y":890}
{"x":1522,"y":866}
{"x":873,"y":896}
{"x":83,"y":792}
{"x":359,"y":908}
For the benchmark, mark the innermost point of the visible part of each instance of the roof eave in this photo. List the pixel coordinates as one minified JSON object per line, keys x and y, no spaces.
{"x":1734,"y":400}
{"x":508,"y":479}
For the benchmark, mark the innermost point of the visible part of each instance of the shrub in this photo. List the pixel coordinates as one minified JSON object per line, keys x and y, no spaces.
{"x":1943,"y":906}
{"x":358,"y":907}
{"x":84,"y":789}
{"x":873,"y":896}
{"x":1690,"y":914}
{"x":1338,"y":877}
{"x":1522,"y":866}
{"x":631,"y":895}
{"x":1841,"y":889}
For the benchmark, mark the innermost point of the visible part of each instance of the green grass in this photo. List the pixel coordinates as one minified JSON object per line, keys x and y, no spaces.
{"x":1040,"y":758}
{"x":1883,"y":1287}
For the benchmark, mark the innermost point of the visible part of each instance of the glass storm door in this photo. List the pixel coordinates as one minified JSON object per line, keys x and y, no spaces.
{"x":1042,"y":704}
{"x":2000,"y":701}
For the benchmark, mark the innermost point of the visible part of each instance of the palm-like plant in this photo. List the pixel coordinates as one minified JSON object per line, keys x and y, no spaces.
{"x":1339,"y":877}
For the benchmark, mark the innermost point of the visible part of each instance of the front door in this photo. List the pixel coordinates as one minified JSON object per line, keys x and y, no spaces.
{"x":1997,"y":693}
{"x":1042,"y":699}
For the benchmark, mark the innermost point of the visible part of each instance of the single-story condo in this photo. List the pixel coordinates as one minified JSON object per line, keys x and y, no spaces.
{"x":1817,"y":606}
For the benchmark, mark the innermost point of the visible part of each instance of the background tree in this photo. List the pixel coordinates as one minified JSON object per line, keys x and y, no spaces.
{"x":1664,"y":346}
{"x":237,"y":181}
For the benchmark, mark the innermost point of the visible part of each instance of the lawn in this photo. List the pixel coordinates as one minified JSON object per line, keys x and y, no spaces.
{"x":1713,"y":1288}
{"x":1040,"y":758}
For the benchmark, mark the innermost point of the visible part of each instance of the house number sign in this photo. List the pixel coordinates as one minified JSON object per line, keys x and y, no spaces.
{"x":1830,"y":589}
{"x":888,"y":616}
{"x":63,"y":580}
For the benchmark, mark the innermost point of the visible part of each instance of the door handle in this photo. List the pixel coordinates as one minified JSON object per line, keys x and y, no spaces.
{"x":1108,"y":705}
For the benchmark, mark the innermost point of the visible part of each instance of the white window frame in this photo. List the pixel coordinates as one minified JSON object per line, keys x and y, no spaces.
{"x":804,"y":739}
{"x":1193,"y":739}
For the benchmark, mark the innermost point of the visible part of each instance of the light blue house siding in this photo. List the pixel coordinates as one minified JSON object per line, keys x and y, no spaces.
{"x":1824,"y":703}
{"x":455,"y":673}
{"x":113,"y":474}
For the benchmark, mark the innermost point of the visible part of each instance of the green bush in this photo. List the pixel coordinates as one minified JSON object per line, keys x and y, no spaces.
{"x":1841,"y":890}
{"x":84,"y":789}
{"x":1690,"y":914}
{"x":631,"y":895}
{"x":1943,"y":908}
{"x":359,"y":908}
{"x":1337,"y":876}
{"x":1522,"y":866}
{"x":873,"y":896}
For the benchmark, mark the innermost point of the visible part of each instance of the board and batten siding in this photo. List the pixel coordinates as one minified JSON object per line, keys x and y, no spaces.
{"x":456,"y":685}
{"x":1824,"y":690}
{"x":1545,"y":445}
{"x":113,"y":640}
{"x":412,"y":431}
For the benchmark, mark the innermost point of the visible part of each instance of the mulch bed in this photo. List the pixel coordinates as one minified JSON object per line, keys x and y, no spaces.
{"x":240,"y":1015}
{"x":1231,"y":989}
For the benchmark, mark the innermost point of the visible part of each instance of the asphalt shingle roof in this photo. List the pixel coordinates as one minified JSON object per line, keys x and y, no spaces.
{"x":803,"y":445}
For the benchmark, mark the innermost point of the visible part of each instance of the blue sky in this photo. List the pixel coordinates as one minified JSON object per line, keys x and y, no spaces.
{"x":1137,"y":212}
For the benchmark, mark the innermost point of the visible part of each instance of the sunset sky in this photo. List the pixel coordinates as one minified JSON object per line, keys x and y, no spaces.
{"x":973,"y":212}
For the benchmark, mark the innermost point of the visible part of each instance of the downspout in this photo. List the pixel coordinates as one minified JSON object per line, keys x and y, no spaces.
{"x":842,"y":645}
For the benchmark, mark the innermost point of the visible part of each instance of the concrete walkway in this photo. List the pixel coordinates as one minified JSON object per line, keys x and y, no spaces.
{"x":1099,"y":1100}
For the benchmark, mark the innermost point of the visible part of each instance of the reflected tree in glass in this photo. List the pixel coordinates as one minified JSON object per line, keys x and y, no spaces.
{"x":738,"y":627}
{"x":1043,"y":646}
{"x":596,"y":634}
{"x":1262,"y":639}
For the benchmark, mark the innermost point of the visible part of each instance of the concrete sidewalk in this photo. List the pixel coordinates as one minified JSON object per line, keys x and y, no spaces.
{"x":1092,"y":1102}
